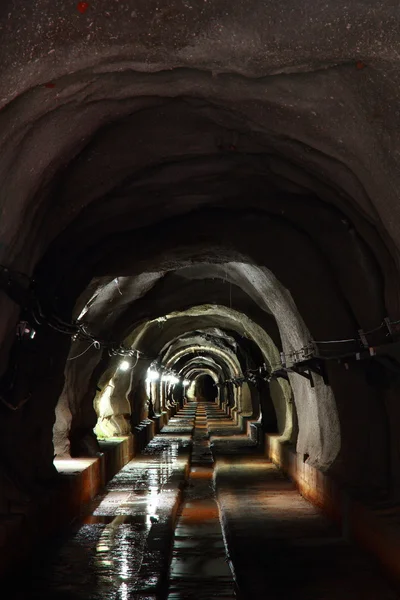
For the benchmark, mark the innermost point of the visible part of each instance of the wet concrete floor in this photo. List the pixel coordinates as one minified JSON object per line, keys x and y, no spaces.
{"x":122,"y":548}
{"x":284,"y":548}
{"x":200,"y":567}
{"x":200,"y":514}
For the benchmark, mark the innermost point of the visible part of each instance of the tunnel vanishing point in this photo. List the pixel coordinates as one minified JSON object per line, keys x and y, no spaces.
{"x":200,"y":282}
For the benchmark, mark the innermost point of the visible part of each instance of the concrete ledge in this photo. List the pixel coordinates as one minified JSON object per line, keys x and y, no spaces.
{"x":314,"y":485}
{"x":255,"y":432}
{"x":143,"y":433}
{"x":117,"y":452}
{"x":160,"y":420}
{"x":79,"y":482}
{"x":374,"y":530}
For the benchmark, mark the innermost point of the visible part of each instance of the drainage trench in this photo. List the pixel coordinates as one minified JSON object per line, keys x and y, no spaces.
{"x":121,"y":550}
{"x":155,"y":532}
{"x":200,"y":566}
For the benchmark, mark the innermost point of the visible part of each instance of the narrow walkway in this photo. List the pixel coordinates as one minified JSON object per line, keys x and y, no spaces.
{"x":199,"y":567}
{"x":122,"y":549}
{"x":280,"y":546}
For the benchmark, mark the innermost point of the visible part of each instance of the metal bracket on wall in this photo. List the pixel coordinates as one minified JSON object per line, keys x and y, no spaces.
{"x":282,"y":373}
{"x":308,"y":367}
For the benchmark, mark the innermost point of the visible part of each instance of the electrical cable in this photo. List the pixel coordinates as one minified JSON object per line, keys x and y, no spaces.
{"x":383,"y":324}
{"x":337,"y":341}
{"x":95,"y":344}
{"x":79,"y":331}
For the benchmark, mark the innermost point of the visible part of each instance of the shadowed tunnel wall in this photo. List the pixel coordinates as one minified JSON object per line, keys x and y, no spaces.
{"x":242,"y":160}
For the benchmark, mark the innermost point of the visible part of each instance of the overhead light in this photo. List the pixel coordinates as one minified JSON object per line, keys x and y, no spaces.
{"x":152,"y":375}
{"x":186,"y":382}
{"x":170,"y":379}
{"x":124,"y":365}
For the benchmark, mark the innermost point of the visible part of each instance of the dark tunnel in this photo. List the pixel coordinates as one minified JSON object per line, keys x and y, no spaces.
{"x":199,"y":299}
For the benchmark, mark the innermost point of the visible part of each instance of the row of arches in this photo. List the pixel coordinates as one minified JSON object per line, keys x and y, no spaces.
{"x":217,"y":213}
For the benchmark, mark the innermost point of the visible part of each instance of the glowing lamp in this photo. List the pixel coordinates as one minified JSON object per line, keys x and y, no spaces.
{"x":152,"y":375}
{"x":170,"y":379}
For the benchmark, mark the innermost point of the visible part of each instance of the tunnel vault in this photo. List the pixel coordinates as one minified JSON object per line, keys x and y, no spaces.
{"x":213,"y":188}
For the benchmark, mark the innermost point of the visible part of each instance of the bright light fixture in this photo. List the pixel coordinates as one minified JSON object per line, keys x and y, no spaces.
{"x":186,"y":382}
{"x":170,"y":379}
{"x":152,"y":375}
{"x":124,"y":365}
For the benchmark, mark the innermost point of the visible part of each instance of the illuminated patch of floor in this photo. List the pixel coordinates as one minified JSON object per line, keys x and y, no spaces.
{"x":200,"y":568}
{"x":118,"y":552}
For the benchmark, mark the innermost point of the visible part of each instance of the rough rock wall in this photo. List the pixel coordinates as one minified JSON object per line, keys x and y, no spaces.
{"x":138,"y":136}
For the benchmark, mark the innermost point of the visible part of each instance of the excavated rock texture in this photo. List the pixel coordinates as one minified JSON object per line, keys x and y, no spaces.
{"x":142,"y":138}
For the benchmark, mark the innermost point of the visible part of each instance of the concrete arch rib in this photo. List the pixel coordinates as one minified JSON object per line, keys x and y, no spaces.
{"x":319,"y":427}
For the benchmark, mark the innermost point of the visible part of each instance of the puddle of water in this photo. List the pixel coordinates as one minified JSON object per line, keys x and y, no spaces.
{"x":104,"y":558}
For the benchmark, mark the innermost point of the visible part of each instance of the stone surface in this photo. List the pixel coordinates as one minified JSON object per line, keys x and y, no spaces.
{"x":152,"y":154}
{"x":233,"y":526}
{"x":122,"y":546}
{"x":282,"y":545}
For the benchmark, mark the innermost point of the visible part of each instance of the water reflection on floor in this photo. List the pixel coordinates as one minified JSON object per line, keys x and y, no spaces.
{"x":117,"y":552}
{"x":200,"y":568}
{"x":269,"y":542}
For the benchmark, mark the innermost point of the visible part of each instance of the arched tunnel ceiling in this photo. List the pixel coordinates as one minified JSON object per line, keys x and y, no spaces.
{"x":222,"y":114}
{"x":198,"y":365}
{"x":298,"y":264}
{"x":234,"y":155}
{"x":180,"y":348}
{"x":227,"y":358}
{"x":154,"y":337}
{"x":238,"y":352}
{"x":121,"y":303}
{"x":279,"y":148}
